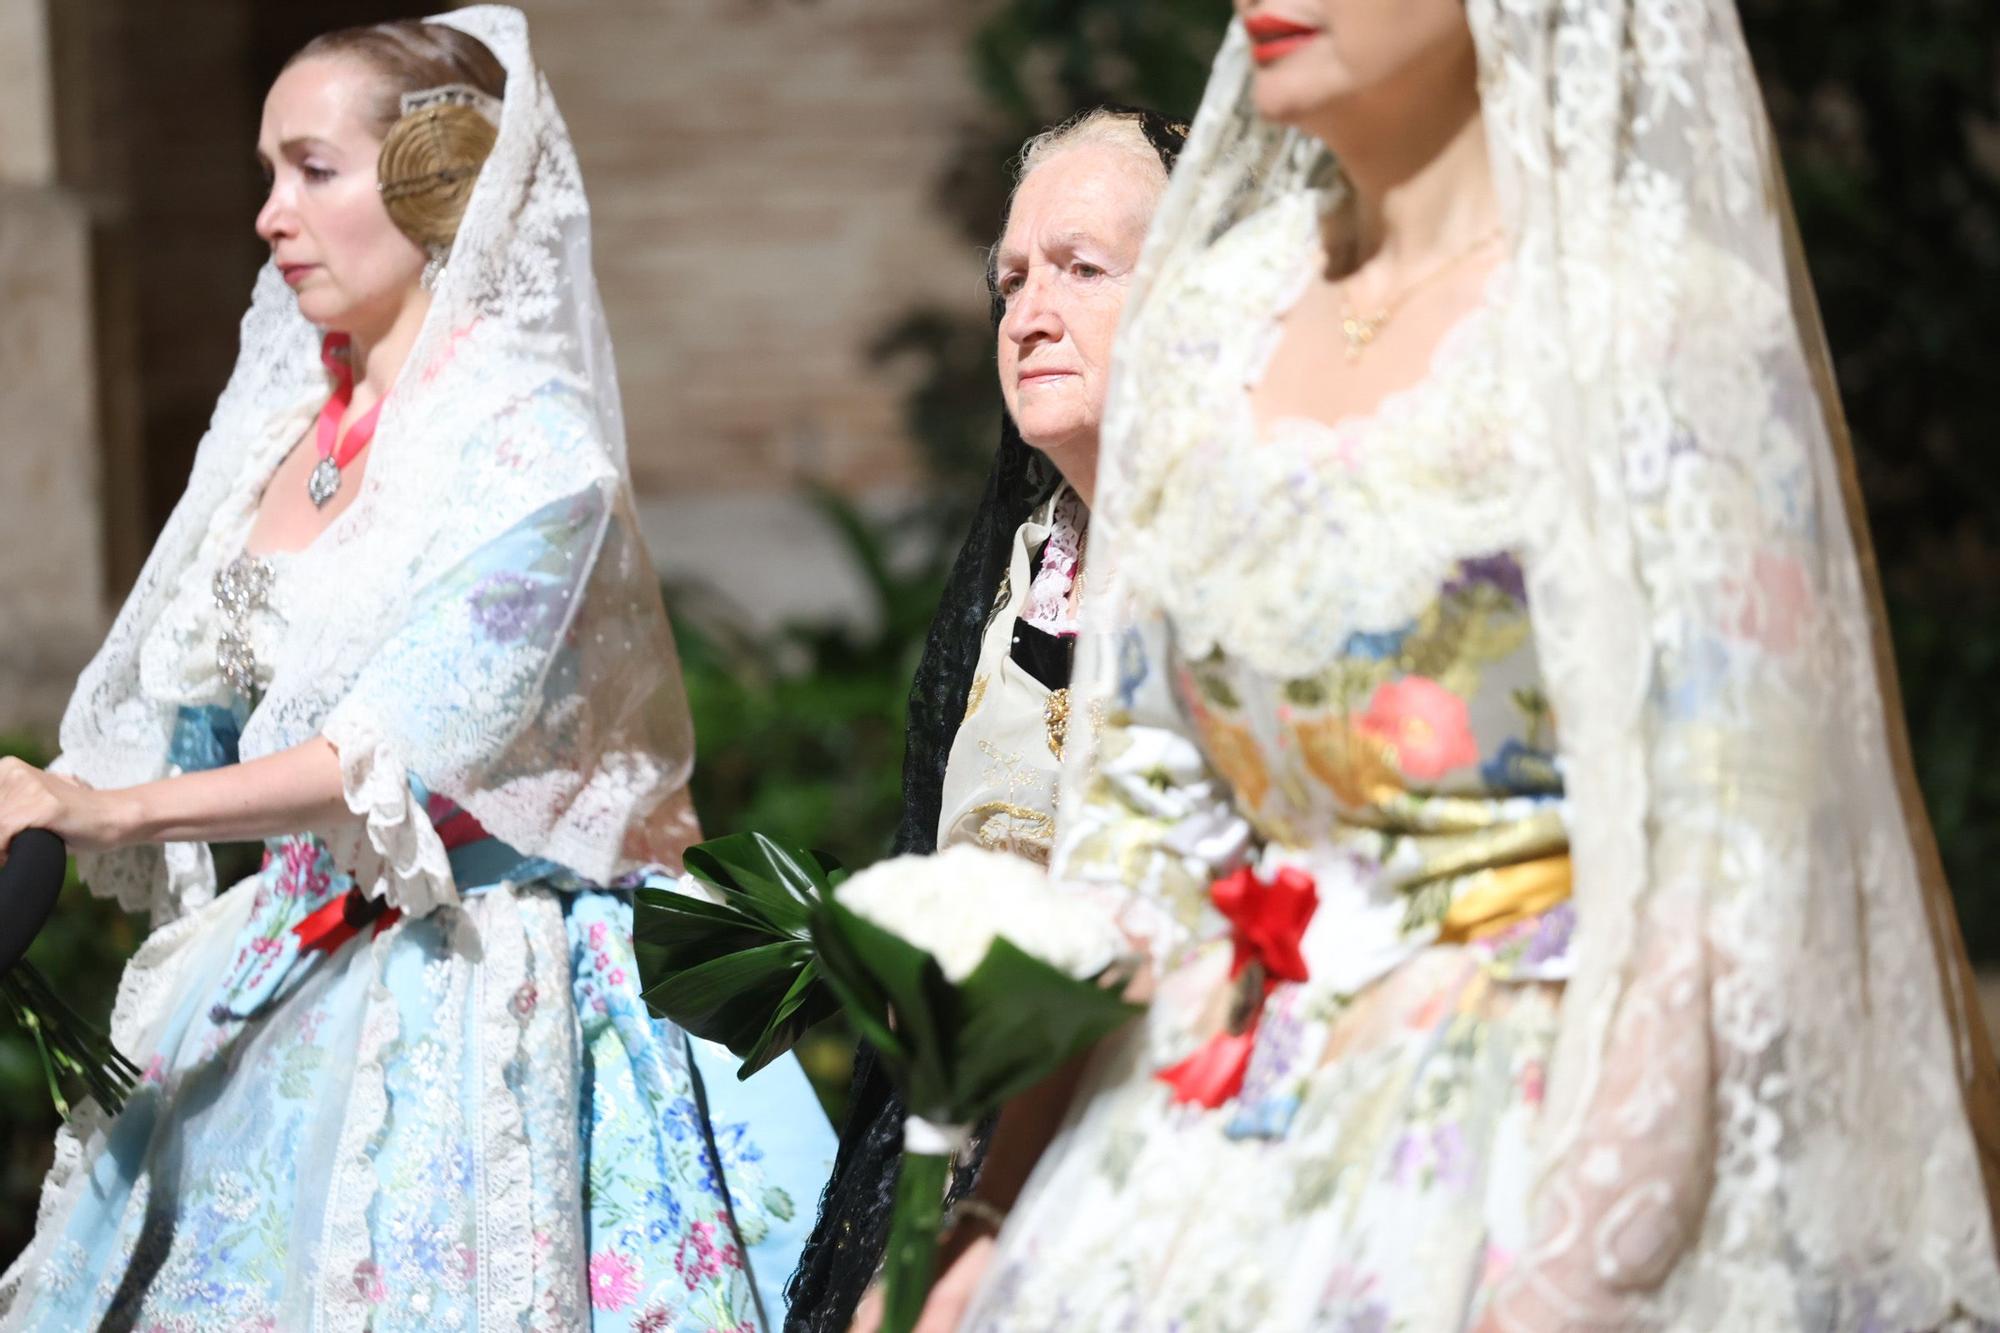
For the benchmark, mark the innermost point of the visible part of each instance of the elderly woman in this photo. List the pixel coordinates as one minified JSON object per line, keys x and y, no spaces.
{"x":401,"y":628}
{"x":990,"y":703}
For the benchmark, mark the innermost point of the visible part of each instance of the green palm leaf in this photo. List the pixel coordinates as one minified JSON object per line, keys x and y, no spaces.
{"x":740,"y":971}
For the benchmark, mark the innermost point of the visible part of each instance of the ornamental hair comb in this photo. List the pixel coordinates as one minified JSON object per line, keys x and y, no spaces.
{"x":454,"y":94}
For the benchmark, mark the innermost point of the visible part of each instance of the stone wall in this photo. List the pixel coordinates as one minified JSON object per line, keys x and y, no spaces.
{"x":51,"y":523}
{"x":762,"y":179}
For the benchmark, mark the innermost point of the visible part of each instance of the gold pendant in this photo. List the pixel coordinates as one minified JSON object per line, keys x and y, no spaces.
{"x":1360,"y":332}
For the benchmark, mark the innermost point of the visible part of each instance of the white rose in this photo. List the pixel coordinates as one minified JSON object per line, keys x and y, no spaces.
{"x":954,"y":904}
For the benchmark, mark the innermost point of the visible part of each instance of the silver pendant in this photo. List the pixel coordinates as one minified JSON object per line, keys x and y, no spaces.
{"x":324,"y":483}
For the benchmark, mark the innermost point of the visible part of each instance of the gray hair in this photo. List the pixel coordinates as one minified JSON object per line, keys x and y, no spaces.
{"x":1113,"y":129}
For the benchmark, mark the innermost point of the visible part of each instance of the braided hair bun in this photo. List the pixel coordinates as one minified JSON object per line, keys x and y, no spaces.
{"x":430,"y":161}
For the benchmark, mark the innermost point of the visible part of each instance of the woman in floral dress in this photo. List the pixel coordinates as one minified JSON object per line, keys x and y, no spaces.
{"x":401,"y":1077}
{"x":1497,"y":757}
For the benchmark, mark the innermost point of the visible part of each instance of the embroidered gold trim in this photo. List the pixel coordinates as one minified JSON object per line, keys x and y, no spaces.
{"x":1006,"y":827}
{"x":1055,"y":715}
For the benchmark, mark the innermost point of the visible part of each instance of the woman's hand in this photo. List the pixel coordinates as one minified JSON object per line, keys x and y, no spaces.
{"x":950,"y":1294}
{"x":86,"y":819}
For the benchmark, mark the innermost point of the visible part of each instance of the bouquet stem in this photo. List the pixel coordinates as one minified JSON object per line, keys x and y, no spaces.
{"x":913,"y":1239}
{"x":67,"y":1043}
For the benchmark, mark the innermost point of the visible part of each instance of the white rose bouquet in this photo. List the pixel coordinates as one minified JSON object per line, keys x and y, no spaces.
{"x":974,"y":978}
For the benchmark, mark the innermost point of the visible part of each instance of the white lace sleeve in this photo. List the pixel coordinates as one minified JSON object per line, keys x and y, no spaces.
{"x":490,"y":645}
{"x":1775,"y":1044}
{"x":389,"y":847}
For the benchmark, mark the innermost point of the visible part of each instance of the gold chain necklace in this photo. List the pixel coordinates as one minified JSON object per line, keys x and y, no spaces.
{"x":1360,"y":330}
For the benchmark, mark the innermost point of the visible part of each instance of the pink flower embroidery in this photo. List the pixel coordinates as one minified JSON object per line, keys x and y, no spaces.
{"x":597,"y":934}
{"x":698,"y":1259}
{"x":614,"y":1281}
{"x":617,"y":977}
{"x":654,"y":1319}
{"x":368,"y":1282}
{"x":1532,"y":1081}
{"x":301,"y":876}
{"x":1775,"y":602}
{"x":1427,"y":727}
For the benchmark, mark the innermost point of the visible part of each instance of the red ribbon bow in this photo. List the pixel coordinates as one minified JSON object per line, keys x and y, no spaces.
{"x":1268,"y":920}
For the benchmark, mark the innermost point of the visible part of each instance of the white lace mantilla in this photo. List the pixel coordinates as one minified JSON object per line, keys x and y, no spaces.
{"x":1314,"y":533}
{"x":1764,"y":1020}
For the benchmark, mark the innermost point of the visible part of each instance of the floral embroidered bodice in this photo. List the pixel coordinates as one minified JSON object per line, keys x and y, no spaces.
{"x":1344,"y":637}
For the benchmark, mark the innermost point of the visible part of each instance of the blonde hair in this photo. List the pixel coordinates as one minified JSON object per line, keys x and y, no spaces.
{"x":428,"y":166}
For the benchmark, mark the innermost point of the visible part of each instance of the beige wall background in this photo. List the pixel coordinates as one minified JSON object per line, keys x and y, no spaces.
{"x":761,"y":178}
{"x":50,"y":548}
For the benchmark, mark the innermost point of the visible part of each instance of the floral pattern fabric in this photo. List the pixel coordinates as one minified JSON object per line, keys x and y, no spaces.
{"x":1371,"y":1173}
{"x":216,"y":1220}
{"x":462,"y":1118}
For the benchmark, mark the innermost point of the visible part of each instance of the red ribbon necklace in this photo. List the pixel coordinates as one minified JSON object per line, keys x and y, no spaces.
{"x":336,"y":451}
{"x":1268,"y":920}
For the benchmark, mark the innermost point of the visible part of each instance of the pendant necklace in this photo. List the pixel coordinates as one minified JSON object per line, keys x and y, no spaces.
{"x":336,"y":450}
{"x":1360,"y":330}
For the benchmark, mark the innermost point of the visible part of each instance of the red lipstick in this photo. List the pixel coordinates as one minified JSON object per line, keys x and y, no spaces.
{"x":1273,"y":38}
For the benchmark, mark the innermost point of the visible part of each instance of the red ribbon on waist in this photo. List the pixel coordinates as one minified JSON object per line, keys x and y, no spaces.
{"x":339,"y":921}
{"x":1268,"y":920}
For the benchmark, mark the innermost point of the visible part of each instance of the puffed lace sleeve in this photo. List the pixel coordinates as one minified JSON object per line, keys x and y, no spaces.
{"x":1152,"y":824}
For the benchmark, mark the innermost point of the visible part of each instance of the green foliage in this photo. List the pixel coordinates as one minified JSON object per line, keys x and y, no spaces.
{"x":799,"y":734}
{"x":1949,"y":664}
{"x":740,"y":971}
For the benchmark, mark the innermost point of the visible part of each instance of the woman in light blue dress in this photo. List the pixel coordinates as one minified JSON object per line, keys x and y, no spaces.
{"x":401,"y":629}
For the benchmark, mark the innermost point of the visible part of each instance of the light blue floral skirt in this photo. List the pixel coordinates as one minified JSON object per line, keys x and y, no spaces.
{"x":461,"y":1122}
